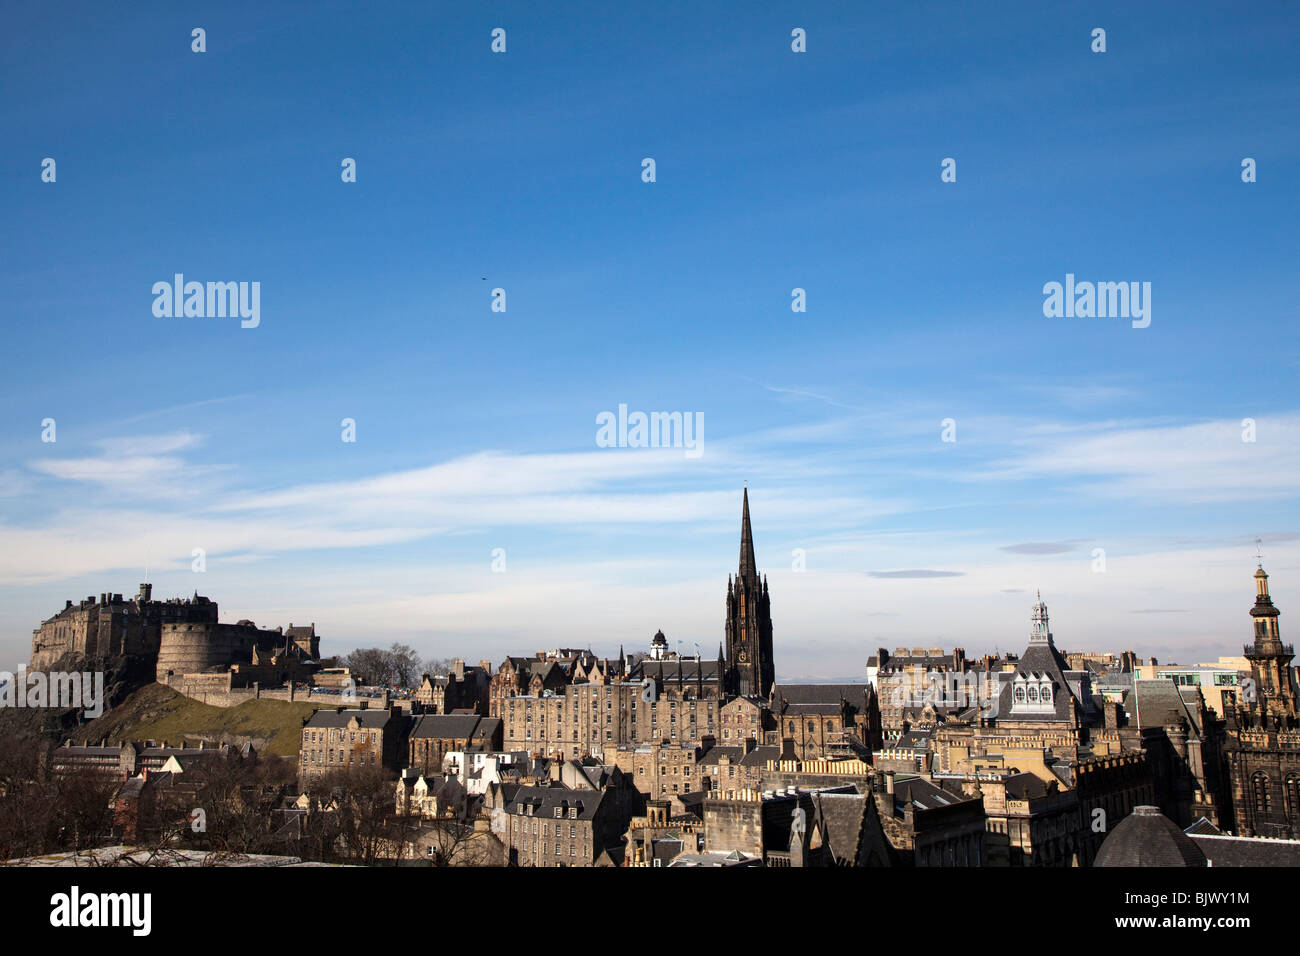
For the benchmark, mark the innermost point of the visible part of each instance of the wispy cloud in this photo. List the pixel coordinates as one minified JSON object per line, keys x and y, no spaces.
{"x":1042,"y":547}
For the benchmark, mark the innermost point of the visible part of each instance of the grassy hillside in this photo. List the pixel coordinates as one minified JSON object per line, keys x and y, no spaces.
{"x":155,"y":712}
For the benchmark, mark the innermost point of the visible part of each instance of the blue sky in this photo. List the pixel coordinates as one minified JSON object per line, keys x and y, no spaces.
{"x":775,"y":170}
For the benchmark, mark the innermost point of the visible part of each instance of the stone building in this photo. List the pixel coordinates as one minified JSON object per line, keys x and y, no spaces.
{"x":836,"y":826}
{"x":1262,"y":743}
{"x":928,"y":826}
{"x":340,"y":739}
{"x":570,"y":703}
{"x":556,"y":826}
{"x":175,"y":638}
{"x":432,"y":737}
{"x":130,"y":758}
{"x":750,"y":667}
{"x":251,"y":655}
{"x":826,"y":720}
{"x":1183,"y":740}
{"x":110,"y":626}
{"x":586,"y":718}
{"x":463,"y":687}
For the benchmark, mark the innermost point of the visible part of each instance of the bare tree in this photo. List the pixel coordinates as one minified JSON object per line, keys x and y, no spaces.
{"x":406,"y":665}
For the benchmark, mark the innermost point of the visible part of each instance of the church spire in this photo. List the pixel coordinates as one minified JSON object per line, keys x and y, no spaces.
{"x":748,"y":567}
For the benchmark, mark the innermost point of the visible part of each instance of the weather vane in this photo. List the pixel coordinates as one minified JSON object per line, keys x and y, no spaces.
{"x":1259,"y":557}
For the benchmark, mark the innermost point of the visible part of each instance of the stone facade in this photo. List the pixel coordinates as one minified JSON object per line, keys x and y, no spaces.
{"x":111,"y":626}
{"x":340,"y":739}
{"x":1263,"y":732}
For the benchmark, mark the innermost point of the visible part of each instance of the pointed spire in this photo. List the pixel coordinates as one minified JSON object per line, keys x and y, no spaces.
{"x":748,"y":568}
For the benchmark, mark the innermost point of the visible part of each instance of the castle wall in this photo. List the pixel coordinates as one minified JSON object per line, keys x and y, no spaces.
{"x":109,"y":626}
{"x":209,"y":647}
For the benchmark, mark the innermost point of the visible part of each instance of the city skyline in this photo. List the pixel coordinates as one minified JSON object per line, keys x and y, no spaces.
{"x":479,"y":430}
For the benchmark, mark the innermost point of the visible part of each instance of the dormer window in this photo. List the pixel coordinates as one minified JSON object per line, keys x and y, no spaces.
{"x":1020,"y":695}
{"x":1033,"y":694}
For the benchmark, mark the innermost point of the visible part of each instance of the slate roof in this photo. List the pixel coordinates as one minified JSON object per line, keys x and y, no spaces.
{"x":368,"y":719}
{"x":842,"y":817}
{"x":545,"y":801}
{"x":924,"y":795}
{"x":1024,"y":786}
{"x":668,"y":671}
{"x":759,"y":756}
{"x":715,"y":754}
{"x":1225,"y":850}
{"x":444,"y":726}
{"x":1156,"y":703}
{"x":1039,"y":660}
{"x":813,"y":695}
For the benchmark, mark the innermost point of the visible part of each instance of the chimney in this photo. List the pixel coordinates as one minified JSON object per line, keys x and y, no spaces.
{"x":889,"y":782}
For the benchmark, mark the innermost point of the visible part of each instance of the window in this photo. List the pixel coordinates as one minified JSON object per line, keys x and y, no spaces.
{"x":1033,"y":694}
{"x":1259,"y":784}
{"x":1020,"y":694}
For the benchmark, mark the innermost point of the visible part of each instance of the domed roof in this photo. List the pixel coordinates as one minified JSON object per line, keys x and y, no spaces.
{"x":1148,"y":838}
{"x":659,"y":638}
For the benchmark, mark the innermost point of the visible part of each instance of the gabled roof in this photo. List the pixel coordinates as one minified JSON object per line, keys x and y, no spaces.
{"x":759,"y":756}
{"x":714,"y":754}
{"x":1161,"y":702}
{"x":446,"y":726}
{"x":546,"y":800}
{"x":1041,"y":661}
{"x":368,"y":719}
{"x":820,"y":694}
{"x":842,"y":818}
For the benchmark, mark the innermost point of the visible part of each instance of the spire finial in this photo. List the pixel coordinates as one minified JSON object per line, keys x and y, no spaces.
{"x":1259,"y":556}
{"x":748,"y":567}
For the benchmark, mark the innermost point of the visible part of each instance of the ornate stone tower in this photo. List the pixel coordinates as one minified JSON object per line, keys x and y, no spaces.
{"x":750,"y":669}
{"x":1270,"y":660}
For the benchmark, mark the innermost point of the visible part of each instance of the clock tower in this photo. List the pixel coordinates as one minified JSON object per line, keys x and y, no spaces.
{"x":750,"y":670}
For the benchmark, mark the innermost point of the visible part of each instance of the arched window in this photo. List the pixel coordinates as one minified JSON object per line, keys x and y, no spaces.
{"x":1020,"y":694}
{"x":1045,"y":693}
{"x":1033,"y":694}
{"x":1259,"y":783}
{"x":1293,"y":794}
{"x":812,"y":727}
